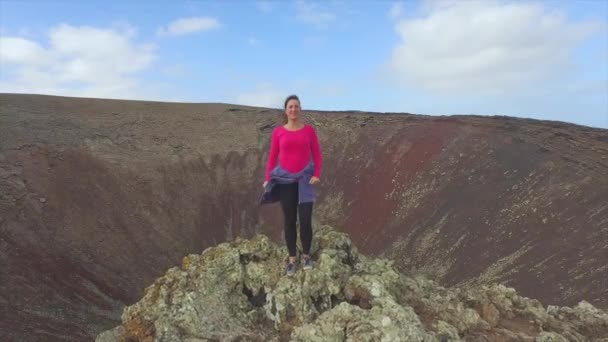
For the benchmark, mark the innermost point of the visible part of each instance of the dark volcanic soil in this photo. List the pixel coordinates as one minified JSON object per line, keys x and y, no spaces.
{"x":99,"y":197}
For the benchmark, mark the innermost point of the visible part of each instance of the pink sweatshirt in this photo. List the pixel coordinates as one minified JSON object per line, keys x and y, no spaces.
{"x":294,"y":150}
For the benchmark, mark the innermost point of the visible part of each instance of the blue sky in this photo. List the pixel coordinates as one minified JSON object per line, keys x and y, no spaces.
{"x":542,"y":59}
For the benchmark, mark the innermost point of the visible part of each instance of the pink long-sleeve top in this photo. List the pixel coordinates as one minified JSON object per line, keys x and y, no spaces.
{"x":294,"y":150}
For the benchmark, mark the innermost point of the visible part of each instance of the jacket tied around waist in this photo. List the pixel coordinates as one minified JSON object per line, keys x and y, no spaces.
{"x":306,"y":191}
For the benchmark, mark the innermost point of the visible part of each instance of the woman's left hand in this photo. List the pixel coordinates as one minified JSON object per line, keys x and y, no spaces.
{"x":314,"y":180}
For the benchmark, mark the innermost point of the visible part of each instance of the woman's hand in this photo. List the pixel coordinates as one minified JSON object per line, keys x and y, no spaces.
{"x":314,"y":180}
{"x":264,"y":185}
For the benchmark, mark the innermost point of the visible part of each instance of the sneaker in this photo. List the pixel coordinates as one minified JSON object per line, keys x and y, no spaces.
{"x":308,"y":263}
{"x":291,"y":269}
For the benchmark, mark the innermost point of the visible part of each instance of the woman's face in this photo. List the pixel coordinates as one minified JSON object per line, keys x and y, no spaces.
{"x":293,"y":109}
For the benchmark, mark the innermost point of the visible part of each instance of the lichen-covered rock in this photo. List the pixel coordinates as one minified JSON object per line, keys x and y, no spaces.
{"x":238,"y":291}
{"x":388,"y":321}
{"x":111,"y":335}
{"x":213,"y":295}
{"x":550,"y":337}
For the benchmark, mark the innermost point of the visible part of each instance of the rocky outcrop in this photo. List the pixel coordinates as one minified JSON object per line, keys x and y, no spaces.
{"x":237,"y":291}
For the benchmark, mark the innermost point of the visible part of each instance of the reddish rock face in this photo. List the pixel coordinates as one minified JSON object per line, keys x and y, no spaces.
{"x":99,"y":197}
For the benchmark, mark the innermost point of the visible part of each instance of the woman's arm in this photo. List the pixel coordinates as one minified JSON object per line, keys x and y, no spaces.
{"x":317,"y":156}
{"x":272,"y":155}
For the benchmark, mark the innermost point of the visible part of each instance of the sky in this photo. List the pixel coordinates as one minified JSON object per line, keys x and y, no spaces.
{"x":536,"y":59}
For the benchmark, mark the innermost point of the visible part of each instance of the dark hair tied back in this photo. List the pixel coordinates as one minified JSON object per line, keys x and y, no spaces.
{"x":289,"y":98}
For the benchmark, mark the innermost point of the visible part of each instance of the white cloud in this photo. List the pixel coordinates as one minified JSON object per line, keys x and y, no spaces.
{"x":314,"y":14}
{"x":189,"y":25}
{"x":78,"y":61}
{"x":86,"y":53}
{"x":15,"y":50}
{"x":262,"y":96}
{"x":488,"y":47}
{"x":396,"y":10}
{"x":265,"y":6}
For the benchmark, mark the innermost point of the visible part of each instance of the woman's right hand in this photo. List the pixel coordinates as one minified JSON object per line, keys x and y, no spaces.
{"x":264,"y":185}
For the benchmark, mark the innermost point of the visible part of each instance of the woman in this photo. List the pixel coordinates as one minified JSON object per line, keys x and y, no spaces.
{"x":296,"y":147}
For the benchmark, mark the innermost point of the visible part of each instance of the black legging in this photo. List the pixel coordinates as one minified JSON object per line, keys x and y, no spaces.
{"x":289,"y":202}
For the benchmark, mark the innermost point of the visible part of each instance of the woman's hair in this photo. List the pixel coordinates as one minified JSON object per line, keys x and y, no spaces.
{"x":289,"y":98}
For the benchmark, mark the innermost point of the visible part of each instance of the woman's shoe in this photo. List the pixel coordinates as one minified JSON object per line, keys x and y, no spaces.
{"x":308,"y":263}
{"x":291,"y":269}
